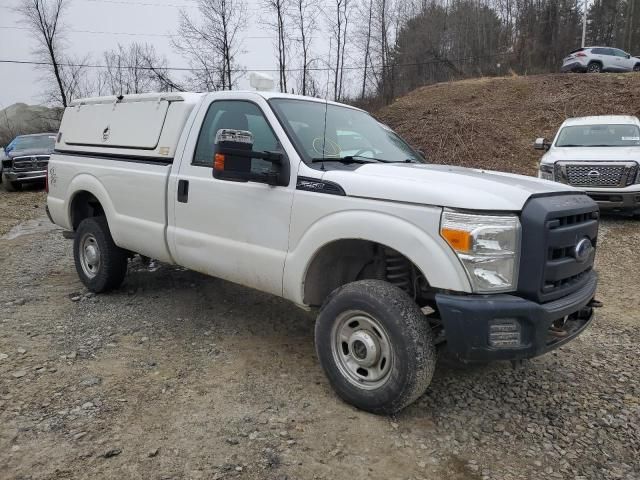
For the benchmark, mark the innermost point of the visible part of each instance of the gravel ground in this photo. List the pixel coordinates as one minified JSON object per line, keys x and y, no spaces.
{"x":18,"y":207}
{"x":177,"y":375}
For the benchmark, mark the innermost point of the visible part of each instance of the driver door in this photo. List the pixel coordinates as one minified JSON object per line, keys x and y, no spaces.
{"x":234,"y":230}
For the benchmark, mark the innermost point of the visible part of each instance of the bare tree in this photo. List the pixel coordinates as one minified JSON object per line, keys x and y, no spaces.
{"x":337,"y":35}
{"x":368,"y":16}
{"x":305,"y":20}
{"x":135,"y":69}
{"x":75,"y":78}
{"x":339,"y":23}
{"x":212,"y":43}
{"x":43,"y":17}
{"x":345,"y":18}
{"x":277,"y":11}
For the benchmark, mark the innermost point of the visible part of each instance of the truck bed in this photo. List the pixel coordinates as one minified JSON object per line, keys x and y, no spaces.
{"x":132,"y":193}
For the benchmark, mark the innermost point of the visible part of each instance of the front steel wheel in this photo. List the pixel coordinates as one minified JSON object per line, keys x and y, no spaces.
{"x":362,"y":349}
{"x":375,"y":346}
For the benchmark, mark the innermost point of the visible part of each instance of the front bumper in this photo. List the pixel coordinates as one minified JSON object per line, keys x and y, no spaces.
{"x":25,"y":176}
{"x":617,"y":201}
{"x":469,"y":320}
{"x":573,"y":67}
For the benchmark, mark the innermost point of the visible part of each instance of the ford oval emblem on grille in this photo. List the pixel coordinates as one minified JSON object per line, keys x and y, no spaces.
{"x":593,"y":174}
{"x":583,"y":250}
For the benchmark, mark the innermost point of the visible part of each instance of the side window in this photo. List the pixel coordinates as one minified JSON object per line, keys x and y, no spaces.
{"x":619,"y":53}
{"x":237,"y":115}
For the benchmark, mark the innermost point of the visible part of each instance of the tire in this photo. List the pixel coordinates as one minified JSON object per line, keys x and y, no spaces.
{"x":594,"y":67}
{"x":100,"y":263}
{"x":636,"y":68}
{"x":11,"y":186}
{"x":375,"y":313}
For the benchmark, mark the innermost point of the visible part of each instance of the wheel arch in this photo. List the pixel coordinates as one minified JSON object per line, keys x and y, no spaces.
{"x":319,"y":259}
{"x":88,"y":198}
{"x":344,"y":261}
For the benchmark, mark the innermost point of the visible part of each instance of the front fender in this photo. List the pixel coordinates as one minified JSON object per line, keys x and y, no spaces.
{"x":429,"y":253}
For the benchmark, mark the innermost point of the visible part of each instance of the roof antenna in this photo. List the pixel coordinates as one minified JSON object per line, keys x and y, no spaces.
{"x":324,"y":133}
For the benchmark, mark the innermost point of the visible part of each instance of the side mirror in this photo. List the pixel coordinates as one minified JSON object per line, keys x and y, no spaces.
{"x":232,"y":158}
{"x":541,"y":144}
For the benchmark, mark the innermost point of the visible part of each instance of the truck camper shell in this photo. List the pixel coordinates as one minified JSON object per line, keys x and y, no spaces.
{"x":146,"y":126}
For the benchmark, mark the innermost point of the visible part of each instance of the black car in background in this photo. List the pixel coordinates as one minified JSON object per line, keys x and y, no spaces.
{"x":26,"y":159}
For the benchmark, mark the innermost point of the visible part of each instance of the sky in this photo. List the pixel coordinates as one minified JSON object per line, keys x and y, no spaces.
{"x":150,"y":20}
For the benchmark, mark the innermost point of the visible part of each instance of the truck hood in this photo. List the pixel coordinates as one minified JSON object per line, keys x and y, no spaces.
{"x":591,"y":154}
{"x":30,"y":151}
{"x":442,"y":185}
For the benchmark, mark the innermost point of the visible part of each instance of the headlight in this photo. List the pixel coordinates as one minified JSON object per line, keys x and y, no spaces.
{"x":488,"y":247}
{"x":545,"y":172}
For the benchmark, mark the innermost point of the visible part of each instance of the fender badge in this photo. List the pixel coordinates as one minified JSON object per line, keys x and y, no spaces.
{"x":105,"y":133}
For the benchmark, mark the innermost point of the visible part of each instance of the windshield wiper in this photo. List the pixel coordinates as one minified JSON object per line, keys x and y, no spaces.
{"x":346,"y":159}
{"x":359,"y":159}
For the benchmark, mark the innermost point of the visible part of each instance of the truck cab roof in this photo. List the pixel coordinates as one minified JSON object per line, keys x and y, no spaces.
{"x":602,"y":120}
{"x":193,"y":97}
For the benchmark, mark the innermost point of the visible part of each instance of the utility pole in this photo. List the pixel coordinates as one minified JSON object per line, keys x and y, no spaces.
{"x":584,"y":23}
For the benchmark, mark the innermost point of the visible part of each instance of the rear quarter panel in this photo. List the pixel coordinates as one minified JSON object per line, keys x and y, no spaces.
{"x":132,"y":195}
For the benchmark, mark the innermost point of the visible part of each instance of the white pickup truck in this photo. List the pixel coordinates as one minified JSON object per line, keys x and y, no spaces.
{"x":600,"y":155}
{"x":319,"y":203}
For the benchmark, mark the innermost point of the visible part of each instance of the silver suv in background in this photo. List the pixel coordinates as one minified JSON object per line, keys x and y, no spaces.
{"x":599,"y":155}
{"x":600,"y":59}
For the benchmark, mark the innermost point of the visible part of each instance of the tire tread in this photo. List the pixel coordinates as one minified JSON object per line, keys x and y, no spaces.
{"x":113,"y":258}
{"x":400,"y":308}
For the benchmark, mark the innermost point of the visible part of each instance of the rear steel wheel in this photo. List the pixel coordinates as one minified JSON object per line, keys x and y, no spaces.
{"x":100,"y":263}
{"x":89,"y":255}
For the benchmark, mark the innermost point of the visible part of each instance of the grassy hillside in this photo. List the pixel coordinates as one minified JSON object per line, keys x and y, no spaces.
{"x":492,"y":122}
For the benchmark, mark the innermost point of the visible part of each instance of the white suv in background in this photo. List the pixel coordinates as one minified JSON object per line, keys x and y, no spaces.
{"x":599,"y":155}
{"x":600,"y":59}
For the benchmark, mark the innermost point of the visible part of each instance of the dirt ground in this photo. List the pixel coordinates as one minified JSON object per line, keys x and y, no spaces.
{"x":492,"y":122}
{"x":181,"y":376}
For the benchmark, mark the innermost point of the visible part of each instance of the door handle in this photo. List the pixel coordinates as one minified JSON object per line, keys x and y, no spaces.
{"x":183,"y":191}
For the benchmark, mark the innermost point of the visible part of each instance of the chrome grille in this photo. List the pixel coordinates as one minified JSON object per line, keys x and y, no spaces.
{"x":600,"y":174}
{"x":27,"y":164}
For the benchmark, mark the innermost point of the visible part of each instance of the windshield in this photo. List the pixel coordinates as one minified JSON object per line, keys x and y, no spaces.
{"x":349,"y":133}
{"x":33,"y":142}
{"x":599,"y":136}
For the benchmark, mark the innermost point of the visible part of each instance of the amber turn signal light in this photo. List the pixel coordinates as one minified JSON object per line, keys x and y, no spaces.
{"x":459,"y":240}
{"x":218,"y":162}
